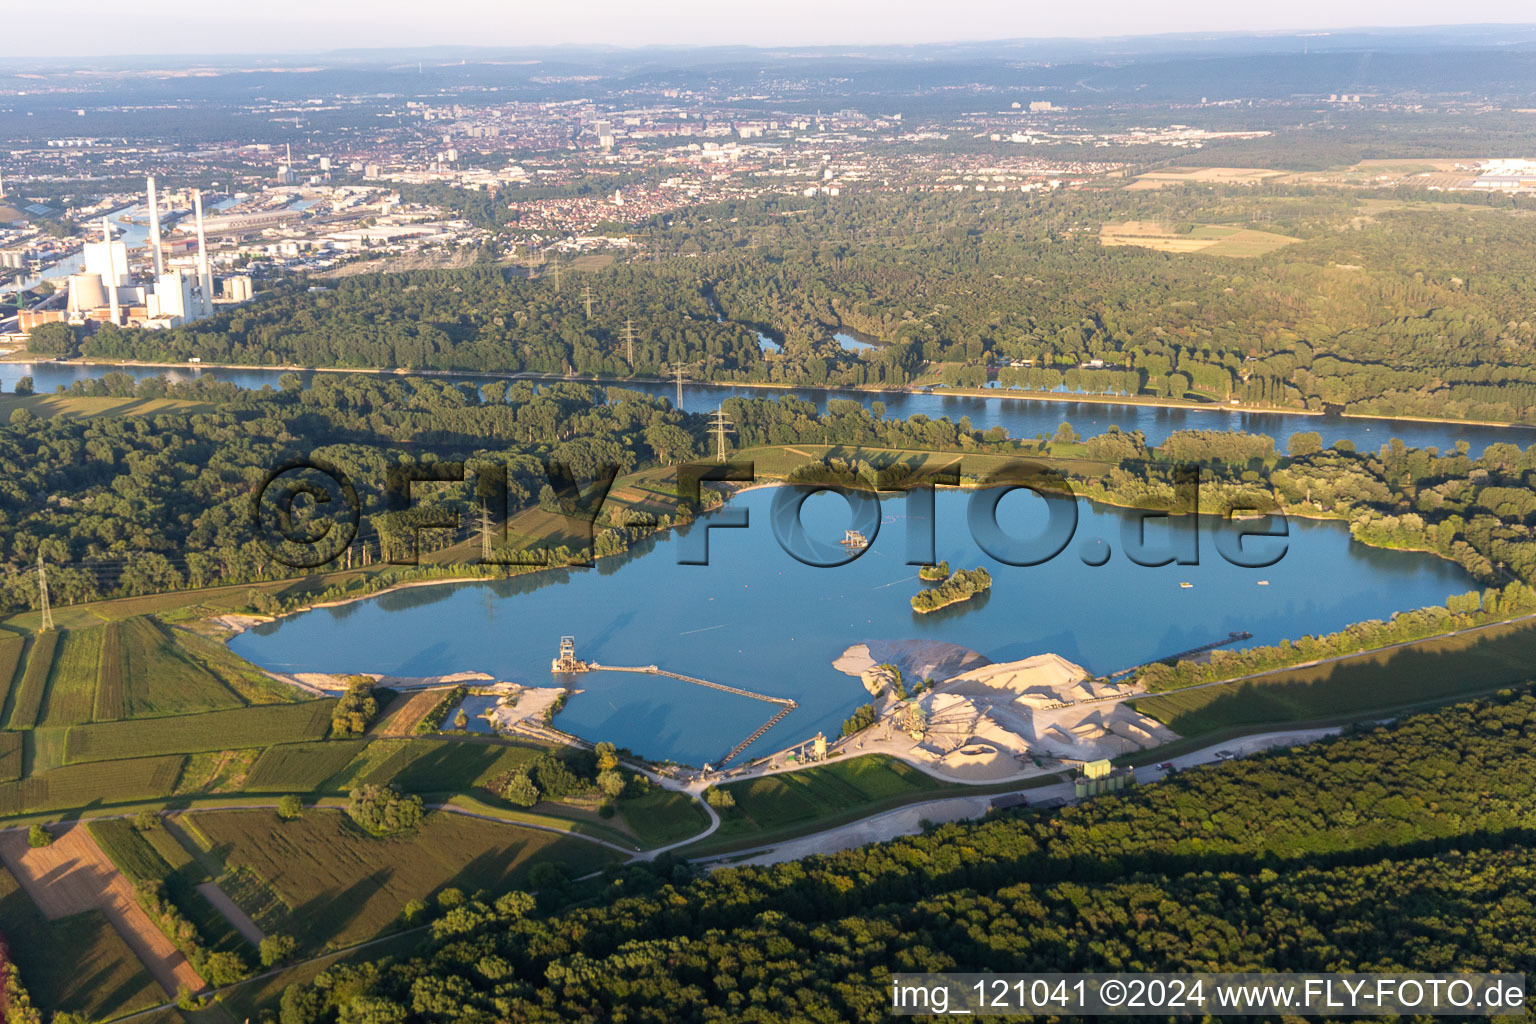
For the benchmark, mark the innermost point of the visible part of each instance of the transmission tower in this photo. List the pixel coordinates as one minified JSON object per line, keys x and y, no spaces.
{"x":42,"y":590}
{"x":629,"y":340}
{"x":720,"y":423}
{"x":557,"y":275}
{"x":677,"y":371}
{"x":486,"y":523}
{"x":586,"y":292}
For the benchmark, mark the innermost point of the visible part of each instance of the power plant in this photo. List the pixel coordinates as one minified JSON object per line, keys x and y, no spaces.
{"x":105,"y":289}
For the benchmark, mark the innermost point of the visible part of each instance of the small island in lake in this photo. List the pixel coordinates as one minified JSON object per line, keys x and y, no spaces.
{"x":933,"y":573}
{"x":962,"y":586}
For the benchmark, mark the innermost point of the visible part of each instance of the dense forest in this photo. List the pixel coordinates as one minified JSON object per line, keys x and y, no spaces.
{"x":1379,"y":306}
{"x":1400,"y":847}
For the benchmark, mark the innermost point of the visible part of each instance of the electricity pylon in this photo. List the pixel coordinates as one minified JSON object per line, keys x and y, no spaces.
{"x":486,"y":523}
{"x":677,"y":370}
{"x":587,"y":294}
{"x":720,"y":423}
{"x":42,"y":590}
{"x":629,"y":341}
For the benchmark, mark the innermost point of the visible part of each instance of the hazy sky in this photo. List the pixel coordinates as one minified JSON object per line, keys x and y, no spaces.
{"x":159,"y":26}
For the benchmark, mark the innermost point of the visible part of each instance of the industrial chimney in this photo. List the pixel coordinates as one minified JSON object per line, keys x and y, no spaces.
{"x":204,"y":278}
{"x":154,"y":231}
{"x":111,"y":280}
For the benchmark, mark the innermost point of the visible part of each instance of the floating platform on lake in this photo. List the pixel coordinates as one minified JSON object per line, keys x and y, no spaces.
{"x":567,"y":661}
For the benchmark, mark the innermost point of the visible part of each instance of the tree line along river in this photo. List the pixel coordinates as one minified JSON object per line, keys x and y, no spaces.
{"x":1022,"y":417}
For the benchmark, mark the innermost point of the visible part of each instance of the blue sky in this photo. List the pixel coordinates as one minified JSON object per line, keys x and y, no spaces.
{"x":158,"y":26}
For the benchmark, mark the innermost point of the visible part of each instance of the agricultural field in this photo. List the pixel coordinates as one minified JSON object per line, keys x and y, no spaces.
{"x":101,"y":783}
{"x":1434,"y":670}
{"x":27,"y":697}
{"x":400,"y":716}
{"x":157,"y":856}
{"x":77,"y":964}
{"x":441,"y":766}
{"x":301,"y":767}
{"x":11,"y":754}
{"x":1210,"y":239}
{"x":257,"y":726}
{"x":126,"y":847}
{"x":164,"y":677}
{"x":337,"y":885}
{"x":111,"y":698}
{"x":217,"y":771}
{"x":12,"y":648}
{"x":71,"y":694}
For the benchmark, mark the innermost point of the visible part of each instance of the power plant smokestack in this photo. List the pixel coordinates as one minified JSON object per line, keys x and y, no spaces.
{"x":204,"y":278}
{"x":154,"y":230}
{"x":111,"y":282}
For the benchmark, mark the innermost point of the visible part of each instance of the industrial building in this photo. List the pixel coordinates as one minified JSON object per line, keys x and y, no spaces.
{"x":105,"y":289}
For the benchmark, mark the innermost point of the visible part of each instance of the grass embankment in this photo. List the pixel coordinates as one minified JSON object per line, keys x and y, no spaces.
{"x":776,"y":808}
{"x":1367,"y":685}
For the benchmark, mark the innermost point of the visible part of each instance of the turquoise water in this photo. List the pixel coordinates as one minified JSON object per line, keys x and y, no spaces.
{"x":757,"y":618}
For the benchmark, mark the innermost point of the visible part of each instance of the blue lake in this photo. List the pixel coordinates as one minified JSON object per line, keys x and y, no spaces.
{"x":757,"y":618}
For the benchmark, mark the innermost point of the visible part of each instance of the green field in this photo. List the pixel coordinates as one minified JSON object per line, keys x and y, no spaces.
{"x":71,"y":694}
{"x":127,"y":848}
{"x":111,"y":698}
{"x":1439,"y":669}
{"x":663,"y":816}
{"x":102,"y":783}
{"x":76,"y":964}
{"x":11,"y":753}
{"x":27,"y":700}
{"x":258,"y":726}
{"x":366,"y":763}
{"x":11,"y":649}
{"x":163,"y":677}
{"x":336,"y":884}
{"x":444,"y":766}
{"x":858,"y":785}
{"x":300,"y":767}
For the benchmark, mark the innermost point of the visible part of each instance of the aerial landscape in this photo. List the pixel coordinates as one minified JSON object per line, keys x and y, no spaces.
{"x":655,"y":518}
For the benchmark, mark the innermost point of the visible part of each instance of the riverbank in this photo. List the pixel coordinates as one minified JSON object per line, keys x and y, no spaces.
{"x":1145,"y":401}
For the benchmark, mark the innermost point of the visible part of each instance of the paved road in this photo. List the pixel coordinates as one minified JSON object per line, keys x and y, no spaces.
{"x":906,"y":821}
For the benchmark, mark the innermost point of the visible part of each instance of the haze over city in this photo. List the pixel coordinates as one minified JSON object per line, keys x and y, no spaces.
{"x":292,"y":26}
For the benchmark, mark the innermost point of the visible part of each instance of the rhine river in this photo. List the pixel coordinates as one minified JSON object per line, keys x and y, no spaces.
{"x":757,"y":618}
{"x":1021,"y":417}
